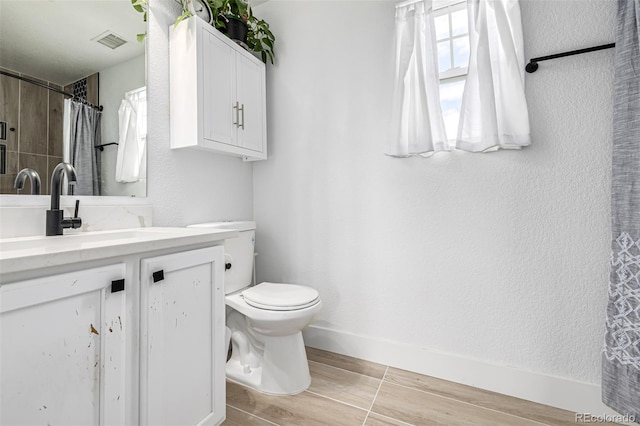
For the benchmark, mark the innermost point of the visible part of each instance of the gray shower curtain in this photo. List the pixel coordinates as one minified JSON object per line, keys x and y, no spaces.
{"x":621,"y":356}
{"x":85,"y":134}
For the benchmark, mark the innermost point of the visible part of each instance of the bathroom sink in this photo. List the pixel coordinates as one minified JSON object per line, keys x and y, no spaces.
{"x":27,"y":253}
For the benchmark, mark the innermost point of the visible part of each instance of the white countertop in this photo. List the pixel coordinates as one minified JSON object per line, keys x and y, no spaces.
{"x":27,"y":253}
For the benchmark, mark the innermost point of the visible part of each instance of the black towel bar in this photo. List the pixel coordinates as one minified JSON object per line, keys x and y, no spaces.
{"x":532,"y":66}
{"x":101,"y":147}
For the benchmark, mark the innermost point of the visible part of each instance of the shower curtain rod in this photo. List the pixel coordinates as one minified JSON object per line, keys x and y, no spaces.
{"x":53,"y":89}
{"x":134,"y":91}
{"x":532,"y":66}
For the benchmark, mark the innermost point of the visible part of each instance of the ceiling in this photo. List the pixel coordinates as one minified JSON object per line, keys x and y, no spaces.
{"x":52,"y":40}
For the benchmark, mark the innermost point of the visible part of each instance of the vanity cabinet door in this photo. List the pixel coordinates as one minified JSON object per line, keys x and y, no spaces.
{"x":182,"y":377}
{"x":62,"y":352}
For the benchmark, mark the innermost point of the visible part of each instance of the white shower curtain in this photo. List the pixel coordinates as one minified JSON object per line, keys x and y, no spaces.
{"x":132,"y":119}
{"x":494,"y":109}
{"x":417,"y":124}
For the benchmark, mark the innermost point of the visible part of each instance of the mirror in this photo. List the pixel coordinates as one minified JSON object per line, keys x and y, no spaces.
{"x":68,"y":46}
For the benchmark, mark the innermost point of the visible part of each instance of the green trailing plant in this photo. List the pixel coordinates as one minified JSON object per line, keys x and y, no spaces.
{"x":260,"y":39}
{"x":186,"y":11}
{"x":142,"y":6}
{"x":224,"y":9}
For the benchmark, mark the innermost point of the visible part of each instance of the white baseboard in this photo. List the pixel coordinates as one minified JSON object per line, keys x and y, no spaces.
{"x":558,"y":392}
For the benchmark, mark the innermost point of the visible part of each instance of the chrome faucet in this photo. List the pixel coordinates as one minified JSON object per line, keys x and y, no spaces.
{"x":34,"y":177}
{"x":56,"y":222}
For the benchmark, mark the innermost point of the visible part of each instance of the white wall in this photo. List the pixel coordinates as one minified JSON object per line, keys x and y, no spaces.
{"x":185,"y":186}
{"x":500,"y":258}
{"x":114,"y":83}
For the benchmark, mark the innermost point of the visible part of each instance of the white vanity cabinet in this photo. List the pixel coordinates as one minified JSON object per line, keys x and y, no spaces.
{"x":182,"y":349}
{"x":63,"y":349}
{"x":217,"y":93}
{"x":113,"y":328}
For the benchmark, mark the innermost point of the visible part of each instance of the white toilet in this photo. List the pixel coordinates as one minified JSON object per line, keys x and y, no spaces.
{"x":265,"y":321}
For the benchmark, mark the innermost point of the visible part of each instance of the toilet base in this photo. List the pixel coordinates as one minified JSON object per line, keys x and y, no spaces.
{"x":282,"y":370}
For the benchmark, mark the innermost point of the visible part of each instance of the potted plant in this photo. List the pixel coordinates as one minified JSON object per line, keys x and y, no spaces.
{"x":235,"y":18}
{"x":230,"y":17}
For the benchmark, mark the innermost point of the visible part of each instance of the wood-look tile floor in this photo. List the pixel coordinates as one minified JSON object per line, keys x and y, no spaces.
{"x":347,"y":391}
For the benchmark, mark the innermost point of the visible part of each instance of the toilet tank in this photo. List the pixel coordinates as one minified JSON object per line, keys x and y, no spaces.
{"x":239,"y":253}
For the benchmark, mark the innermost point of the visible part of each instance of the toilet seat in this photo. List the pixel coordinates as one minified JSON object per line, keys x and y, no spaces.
{"x":280,"y":297}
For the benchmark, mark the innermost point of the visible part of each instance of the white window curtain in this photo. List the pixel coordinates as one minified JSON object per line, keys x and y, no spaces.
{"x":494,"y":111}
{"x":417,"y":125}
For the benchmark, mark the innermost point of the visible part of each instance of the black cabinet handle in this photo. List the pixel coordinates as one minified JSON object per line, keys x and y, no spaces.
{"x":117,"y":285}
{"x":158,"y":276}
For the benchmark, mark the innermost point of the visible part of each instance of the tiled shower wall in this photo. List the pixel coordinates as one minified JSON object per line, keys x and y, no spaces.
{"x":35,"y":115}
{"x":34,"y":130}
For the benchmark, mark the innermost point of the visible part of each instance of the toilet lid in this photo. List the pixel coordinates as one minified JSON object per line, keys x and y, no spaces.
{"x":280,"y":297}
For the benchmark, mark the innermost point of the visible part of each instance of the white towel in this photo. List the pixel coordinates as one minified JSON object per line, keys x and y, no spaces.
{"x":132,"y":119}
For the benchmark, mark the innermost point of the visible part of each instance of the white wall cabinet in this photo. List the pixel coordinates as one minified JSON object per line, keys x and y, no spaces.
{"x":63,"y":349}
{"x":218,"y":93}
{"x":78,"y":348}
{"x":182,"y":330}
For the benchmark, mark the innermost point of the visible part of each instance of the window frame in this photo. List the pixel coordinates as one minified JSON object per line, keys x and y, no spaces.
{"x":448,"y":7}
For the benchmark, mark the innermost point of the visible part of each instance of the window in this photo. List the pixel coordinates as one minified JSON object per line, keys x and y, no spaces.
{"x":495,"y":109}
{"x":452,"y":36}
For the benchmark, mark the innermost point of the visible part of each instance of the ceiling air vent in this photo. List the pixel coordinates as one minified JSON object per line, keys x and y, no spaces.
{"x":109,"y":39}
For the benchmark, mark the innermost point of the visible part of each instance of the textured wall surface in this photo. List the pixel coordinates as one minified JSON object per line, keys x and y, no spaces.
{"x":185,"y":186}
{"x":499,"y":257}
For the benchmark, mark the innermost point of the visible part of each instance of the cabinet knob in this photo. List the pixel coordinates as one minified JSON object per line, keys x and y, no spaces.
{"x":117,"y":285}
{"x":158,"y":276}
